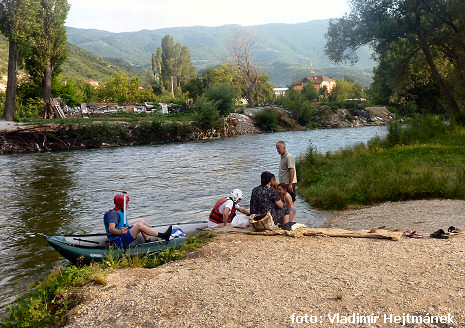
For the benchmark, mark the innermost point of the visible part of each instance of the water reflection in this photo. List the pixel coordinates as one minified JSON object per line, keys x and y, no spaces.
{"x":40,"y":206}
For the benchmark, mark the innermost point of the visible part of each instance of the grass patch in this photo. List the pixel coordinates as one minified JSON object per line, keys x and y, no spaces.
{"x":423,"y":160}
{"x":51,"y":300}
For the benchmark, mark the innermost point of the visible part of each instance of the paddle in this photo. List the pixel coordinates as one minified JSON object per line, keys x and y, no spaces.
{"x":125,"y":218}
{"x":179,"y":223}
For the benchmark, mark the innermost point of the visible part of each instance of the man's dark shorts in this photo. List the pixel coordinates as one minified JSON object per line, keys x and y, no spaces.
{"x":123,"y":241}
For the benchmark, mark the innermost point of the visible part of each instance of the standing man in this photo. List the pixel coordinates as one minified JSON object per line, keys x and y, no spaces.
{"x":287,"y":173}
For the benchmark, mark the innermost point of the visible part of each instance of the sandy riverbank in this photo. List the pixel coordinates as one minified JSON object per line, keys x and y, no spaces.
{"x":257,"y":281}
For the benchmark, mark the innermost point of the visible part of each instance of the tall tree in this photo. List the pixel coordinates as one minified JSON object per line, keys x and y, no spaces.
{"x":429,"y":26}
{"x":17,"y":22}
{"x":185,"y":70}
{"x":49,"y":50}
{"x":173,"y":64}
{"x":241,"y":49}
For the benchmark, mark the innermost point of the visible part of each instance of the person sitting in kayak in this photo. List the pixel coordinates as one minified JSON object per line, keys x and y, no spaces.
{"x":225,"y":209}
{"x":122,"y":236}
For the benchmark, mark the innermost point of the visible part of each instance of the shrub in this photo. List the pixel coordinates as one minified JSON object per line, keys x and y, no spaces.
{"x":207,"y":113}
{"x":223,"y":95}
{"x":266,"y":119}
{"x":97,"y":134}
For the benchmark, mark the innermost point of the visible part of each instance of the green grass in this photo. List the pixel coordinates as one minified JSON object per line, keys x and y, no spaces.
{"x":424,"y":160}
{"x":51,"y":300}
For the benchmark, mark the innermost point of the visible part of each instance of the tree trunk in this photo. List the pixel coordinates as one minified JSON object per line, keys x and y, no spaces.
{"x":437,"y":76}
{"x":250,"y":98}
{"x":47,"y":83}
{"x":9,"y":113}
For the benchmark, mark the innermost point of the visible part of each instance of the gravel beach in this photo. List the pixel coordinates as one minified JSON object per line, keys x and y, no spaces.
{"x":279,"y":281}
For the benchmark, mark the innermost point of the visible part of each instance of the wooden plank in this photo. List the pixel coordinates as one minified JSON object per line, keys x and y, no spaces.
{"x":375,"y":234}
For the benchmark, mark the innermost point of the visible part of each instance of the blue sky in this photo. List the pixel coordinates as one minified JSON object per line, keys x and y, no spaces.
{"x":135,"y":15}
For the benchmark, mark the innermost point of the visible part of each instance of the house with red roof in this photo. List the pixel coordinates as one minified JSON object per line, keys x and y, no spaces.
{"x":319,"y":81}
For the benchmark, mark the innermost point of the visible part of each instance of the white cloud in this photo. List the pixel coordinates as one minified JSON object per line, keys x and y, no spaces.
{"x":123,"y":15}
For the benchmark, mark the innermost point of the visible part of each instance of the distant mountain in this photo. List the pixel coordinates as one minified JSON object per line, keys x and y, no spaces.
{"x":284,"y":50}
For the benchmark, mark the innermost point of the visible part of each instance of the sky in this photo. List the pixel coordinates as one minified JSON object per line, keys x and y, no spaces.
{"x":136,"y":15}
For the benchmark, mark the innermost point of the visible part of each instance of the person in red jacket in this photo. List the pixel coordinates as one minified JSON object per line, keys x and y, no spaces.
{"x":225,"y":209}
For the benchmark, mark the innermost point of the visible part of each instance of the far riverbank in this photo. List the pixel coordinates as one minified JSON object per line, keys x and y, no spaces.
{"x":90,"y":134}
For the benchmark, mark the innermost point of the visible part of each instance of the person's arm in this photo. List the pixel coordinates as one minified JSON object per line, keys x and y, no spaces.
{"x":225,"y":218}
{"x":275,"y":197}
{"x":243,"y":210}
{"x":288,"y":200}
{"x":113,"y":230}
{"x":279,"y":203}
{"x":291,"y":179}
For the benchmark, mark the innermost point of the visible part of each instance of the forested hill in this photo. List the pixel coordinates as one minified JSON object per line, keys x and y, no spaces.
{"x":80,"y":64}
{"x":284,"y":51}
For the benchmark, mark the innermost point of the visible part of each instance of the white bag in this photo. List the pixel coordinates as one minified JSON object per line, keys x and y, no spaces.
{"x":240,"y":221}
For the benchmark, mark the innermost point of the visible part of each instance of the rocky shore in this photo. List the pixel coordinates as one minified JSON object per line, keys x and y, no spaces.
{"x":279,"y":281}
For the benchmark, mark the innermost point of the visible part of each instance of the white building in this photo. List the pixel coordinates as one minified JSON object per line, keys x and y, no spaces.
{"x":279,"y":92}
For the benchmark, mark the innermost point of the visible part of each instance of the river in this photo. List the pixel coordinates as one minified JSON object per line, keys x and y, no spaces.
{"x":68,"y":192}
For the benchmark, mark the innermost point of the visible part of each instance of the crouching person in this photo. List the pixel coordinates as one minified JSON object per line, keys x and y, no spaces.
{"x":225,"y":209}
{"x":122,"y":236}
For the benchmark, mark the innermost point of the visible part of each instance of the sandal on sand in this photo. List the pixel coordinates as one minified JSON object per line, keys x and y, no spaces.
{"x":453,"y":229}
{"x":440,"y":234}
{"x":412,"y":234}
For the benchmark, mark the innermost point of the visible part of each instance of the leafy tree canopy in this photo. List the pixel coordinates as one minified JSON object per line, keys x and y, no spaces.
{"x":433,"y":31}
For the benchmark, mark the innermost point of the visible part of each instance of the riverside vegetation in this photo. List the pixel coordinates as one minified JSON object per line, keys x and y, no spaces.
{"x":423,"y":160}
{"x":52,"y":299}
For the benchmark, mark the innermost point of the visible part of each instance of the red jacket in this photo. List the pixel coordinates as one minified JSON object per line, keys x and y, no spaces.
{"x":215,"y":214}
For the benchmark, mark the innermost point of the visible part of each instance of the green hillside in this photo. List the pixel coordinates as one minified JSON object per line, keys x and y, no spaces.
{"x":286,"y":52}
{"x":299,"y":46}
{"x":80,"y":64}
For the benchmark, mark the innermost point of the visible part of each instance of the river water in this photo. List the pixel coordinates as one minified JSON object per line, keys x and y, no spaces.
{"x":68,"y":192}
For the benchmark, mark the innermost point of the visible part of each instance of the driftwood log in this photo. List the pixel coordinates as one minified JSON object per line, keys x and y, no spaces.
{"x":373,"y":233}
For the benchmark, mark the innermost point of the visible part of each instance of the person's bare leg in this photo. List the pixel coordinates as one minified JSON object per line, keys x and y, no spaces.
{"x":141,"y":227}
{"x":285,"y":220}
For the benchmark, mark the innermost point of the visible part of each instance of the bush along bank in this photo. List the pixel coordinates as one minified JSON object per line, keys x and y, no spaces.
{"x":52,"y":299}
{"x":424,"y":159}
{"x":59,"y":137}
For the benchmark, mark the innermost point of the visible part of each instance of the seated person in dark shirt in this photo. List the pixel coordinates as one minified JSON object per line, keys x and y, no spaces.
{"x":121,"y":235}
{"x":265,"y":199}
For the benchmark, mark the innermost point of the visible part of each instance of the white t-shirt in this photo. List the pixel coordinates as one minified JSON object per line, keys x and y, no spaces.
{"x":229,"y":204}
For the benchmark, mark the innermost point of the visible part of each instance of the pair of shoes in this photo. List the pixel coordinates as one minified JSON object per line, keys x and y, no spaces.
{"x":440,"y":234}
{"x":412,"y":234}
{"x":453,"y":229}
